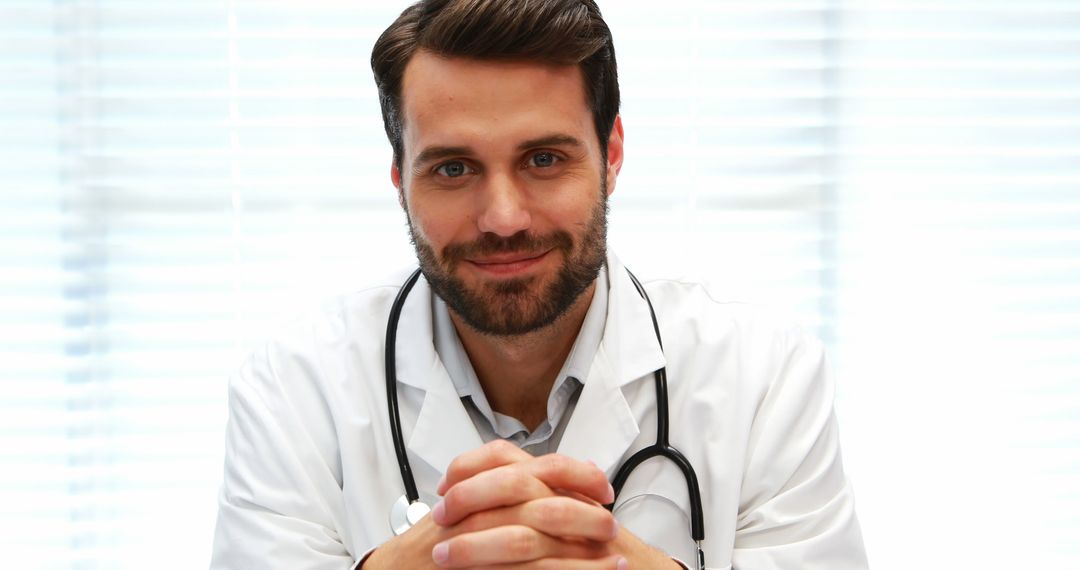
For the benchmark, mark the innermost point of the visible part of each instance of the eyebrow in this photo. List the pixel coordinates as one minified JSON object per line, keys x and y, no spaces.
{"x":434,"y":153}
{"x":550,"y":140}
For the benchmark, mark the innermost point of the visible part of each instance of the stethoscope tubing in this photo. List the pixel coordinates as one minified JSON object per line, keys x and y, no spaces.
{"x":391,"y":388}
{"x":661,"y":448}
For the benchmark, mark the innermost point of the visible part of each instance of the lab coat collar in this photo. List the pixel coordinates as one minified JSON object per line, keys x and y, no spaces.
{"x":603,"y":425}
{"x":443,"y":428}
{"x":417,"y":362}
{"x":628,"y":334}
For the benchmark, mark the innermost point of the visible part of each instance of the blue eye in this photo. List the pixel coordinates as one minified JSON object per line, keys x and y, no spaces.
{"x":453,"y":169}
{"x":544,"y":159}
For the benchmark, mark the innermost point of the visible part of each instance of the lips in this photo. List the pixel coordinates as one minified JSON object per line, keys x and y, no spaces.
{"x":508,"y":264}
{"x":508,"y":258}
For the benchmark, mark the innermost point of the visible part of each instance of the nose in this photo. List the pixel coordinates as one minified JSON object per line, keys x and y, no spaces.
{"x":503,"y":205}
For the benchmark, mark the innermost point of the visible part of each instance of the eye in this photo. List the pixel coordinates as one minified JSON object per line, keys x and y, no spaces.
{"x":544,"y":159}
{"x":453,"y":169}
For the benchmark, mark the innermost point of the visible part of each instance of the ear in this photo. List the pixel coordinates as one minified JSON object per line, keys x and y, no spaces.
{"x":395,"y":177}
{"x":614,"y":154}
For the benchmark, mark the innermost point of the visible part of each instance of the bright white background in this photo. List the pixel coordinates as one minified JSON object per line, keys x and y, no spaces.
{"x":902,"y":177}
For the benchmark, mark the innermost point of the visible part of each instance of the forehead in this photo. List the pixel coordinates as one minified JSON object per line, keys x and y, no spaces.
{"x":462,"y":97}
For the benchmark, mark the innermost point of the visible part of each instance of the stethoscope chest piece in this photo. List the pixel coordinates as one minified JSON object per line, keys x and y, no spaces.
{"x":403,"y":515}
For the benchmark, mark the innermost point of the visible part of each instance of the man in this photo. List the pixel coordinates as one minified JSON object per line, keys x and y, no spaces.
{"x":525,"y":356}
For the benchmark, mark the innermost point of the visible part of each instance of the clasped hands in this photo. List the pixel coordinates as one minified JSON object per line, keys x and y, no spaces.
{"x":504,"y":508}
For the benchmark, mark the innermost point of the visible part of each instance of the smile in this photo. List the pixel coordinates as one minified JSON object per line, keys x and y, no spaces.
{"x":508,"y":264}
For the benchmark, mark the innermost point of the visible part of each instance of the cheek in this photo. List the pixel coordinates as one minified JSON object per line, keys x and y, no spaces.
{"x":440,"y":226}
{"x":576,"y":212}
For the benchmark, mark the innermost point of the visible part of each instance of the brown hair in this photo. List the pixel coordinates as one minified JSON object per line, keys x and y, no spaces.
{"x":561,"y":32}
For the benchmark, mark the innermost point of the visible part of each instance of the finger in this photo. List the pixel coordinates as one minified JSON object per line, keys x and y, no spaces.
{"x":567,"y":474}
{"x":557,"y":471}
{"x":557,"y":516}
{"x":578,"y":496}
{"x":523,"y":481}
{"x":488,"y":456}
{"x":509,"y":545}
{"x":500,"y":487}
{"x":613,"y":562}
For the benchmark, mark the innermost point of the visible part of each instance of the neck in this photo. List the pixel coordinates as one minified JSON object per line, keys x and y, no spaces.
{"x":517,"y":372}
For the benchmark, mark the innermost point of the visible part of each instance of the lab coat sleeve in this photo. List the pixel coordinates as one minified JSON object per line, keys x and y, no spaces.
{"x":280,"y":502}
{"x":796,"y":506}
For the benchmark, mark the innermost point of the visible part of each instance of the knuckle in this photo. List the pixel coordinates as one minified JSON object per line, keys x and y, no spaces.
{"x":500,"y":448}
{"x":611,"y":526}
{"x":556,"y":463}
{"x":513,"y":481}
{"x":475,"y":522}
{"x":522,"y":543}
{"x":461,"y":551}
{"x":554,"y":515}
{"x":454,"y":499}
{"x":457,"y":465}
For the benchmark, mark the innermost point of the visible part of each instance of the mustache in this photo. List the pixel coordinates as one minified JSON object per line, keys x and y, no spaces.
{"x":521,"y":242}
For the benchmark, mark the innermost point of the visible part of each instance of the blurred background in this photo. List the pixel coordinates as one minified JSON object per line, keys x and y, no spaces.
{"x":901,"y":177}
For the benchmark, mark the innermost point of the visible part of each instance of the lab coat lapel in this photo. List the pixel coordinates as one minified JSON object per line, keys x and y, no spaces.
{"x":443,"y":428}
{"x":603,"y":426}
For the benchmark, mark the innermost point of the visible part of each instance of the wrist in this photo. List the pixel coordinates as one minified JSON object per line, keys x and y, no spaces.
{"x":644,"y":555}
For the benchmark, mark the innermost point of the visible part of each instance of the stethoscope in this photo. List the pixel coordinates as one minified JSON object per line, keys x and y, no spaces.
{"x":409,"y":509}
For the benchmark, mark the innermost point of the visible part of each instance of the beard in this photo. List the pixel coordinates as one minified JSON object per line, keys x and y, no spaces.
{"x":516,"y":306}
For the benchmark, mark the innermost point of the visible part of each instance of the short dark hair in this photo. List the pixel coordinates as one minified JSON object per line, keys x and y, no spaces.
{"x":561,"y":32}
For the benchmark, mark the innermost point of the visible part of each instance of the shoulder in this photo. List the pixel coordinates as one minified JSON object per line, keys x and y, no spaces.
{"x":751,"y":348}
{"x":708,"y":312}
{"x":313,"y":344}
{"x":360,"y":312}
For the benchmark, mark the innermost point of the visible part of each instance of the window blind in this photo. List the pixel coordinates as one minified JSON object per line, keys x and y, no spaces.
{"x":178,"y":177}
{"x":182,"y":176}
{"x":729,"y":116}
{"x":958,"y":298}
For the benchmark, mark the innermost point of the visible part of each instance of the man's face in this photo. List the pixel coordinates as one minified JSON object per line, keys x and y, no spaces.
{"x":505,"y":187}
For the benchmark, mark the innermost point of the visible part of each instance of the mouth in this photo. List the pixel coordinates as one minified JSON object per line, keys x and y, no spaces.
{"x":508,"y":264}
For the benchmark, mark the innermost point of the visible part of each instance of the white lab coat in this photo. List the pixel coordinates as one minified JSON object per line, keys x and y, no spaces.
{"x":311,"y":474}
